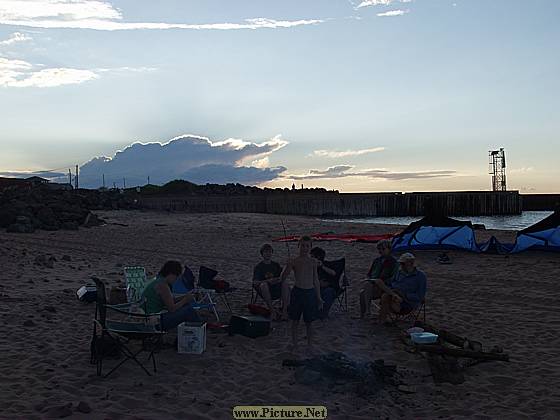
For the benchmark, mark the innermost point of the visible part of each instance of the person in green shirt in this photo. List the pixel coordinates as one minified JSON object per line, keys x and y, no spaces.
{"x":384,"y":267}
{"x":159,"y":298}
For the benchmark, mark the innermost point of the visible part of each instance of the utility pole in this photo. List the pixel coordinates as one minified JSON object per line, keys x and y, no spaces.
{"x":148,"y":179}
{"x":103,"y":181}
{"x":124,"y":183}
{"x":70,"y":176}
{"x":76,"y":178}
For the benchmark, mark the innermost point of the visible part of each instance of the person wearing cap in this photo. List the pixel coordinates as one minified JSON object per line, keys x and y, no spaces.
{"x":407,"y":290}
{"x":385,"y":268}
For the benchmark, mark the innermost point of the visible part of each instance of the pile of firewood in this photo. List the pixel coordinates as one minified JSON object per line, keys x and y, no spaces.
{"x":451,"y":354}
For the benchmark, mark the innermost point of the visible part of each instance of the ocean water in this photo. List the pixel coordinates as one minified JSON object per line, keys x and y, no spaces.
{"x":517,"y":222}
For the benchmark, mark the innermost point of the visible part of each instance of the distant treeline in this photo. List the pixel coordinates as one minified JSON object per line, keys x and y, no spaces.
{"x":180,"y":187}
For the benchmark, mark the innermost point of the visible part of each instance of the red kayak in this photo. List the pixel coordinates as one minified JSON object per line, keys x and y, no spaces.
{"x":339,"y":237}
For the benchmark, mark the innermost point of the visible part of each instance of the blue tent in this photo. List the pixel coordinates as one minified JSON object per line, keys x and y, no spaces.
{"x":544,"y":235}
{"x":436,"y":232}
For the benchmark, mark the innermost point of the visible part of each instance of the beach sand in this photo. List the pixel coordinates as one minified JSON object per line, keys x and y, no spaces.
{"x":510,"y":301}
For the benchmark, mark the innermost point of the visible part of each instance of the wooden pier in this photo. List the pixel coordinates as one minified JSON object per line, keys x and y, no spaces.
{"x":333,"y":204}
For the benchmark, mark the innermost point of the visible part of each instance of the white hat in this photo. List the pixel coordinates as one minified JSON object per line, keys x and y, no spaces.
{"x":407,"y":256}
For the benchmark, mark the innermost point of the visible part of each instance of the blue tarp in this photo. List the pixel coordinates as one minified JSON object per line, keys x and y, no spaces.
{"x":440,"y":232}
{"x":544,"y":235}
{"x":494,"y":246}
{"x":437,"y":232}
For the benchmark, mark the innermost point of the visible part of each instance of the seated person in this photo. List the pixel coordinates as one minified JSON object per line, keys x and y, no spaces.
{"x":269,"y":285}
{"x":159,"y":298}
{"x":383,"y":267}
{"x":327,"y":280}
{"x":406,"y":292}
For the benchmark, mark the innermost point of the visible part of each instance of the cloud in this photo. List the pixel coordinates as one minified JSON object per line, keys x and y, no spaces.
{"x":369,"y":3}
{"x":126,"y":69}
{"x":194,"y":158}
{"x":42,"y":174}
{"x":14,"y":38}
{"x":18,"y":73}
{"x":346,"y":153}
{"x":392,"y":13}
{"x":54,"y":77}
{"x":261,"y":163}
{"x":344,"y":171}
{"x":222,"y":174}
{"x":101,"y":15}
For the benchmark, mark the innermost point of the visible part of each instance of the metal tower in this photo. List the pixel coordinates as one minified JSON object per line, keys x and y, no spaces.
{"x":497,"y":162}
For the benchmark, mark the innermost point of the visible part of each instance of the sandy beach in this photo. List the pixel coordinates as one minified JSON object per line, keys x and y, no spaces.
{"x":509,"y":301}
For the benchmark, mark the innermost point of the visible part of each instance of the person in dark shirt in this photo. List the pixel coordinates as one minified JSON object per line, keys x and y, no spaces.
{"x":384,"y":268}
{"x":269,"y":285}
{"x":327,"y":280}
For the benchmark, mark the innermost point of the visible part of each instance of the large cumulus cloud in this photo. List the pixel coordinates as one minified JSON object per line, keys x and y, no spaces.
{"x":193,"y":158}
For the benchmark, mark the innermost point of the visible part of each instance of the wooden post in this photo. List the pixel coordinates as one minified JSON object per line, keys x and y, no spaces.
{"x":76,"y":178}
{"x":437,"y":349}
{"x":103,"y":181}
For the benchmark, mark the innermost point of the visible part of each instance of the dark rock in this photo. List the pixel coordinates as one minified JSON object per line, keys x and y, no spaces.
{"x":46,"y":216}
{"x":83,"y":407}
{"x":29,"y":323}
{"x":66,"y":258}
{"x":7,"y":217}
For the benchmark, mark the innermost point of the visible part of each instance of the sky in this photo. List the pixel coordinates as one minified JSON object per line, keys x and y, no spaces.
{"x":374,"y":95}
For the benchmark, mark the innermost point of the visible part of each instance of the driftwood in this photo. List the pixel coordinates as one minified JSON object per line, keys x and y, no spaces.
{"x":479,"y":355}
{"x":454,"y":339}
{"x":445,"y":369}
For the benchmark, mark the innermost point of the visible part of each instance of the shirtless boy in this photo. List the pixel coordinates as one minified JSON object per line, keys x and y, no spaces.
{"x":306,"y":295}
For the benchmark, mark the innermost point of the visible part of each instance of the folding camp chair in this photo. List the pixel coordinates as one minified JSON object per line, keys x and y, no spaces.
{"x":115,"y":336}
{"x":203,"y":293}
{"x":256,"y":295}
{"x":413,"y":315}
{"x":135,"y":280}
{"x":339,"y":267}
{"x":207,"y":293}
